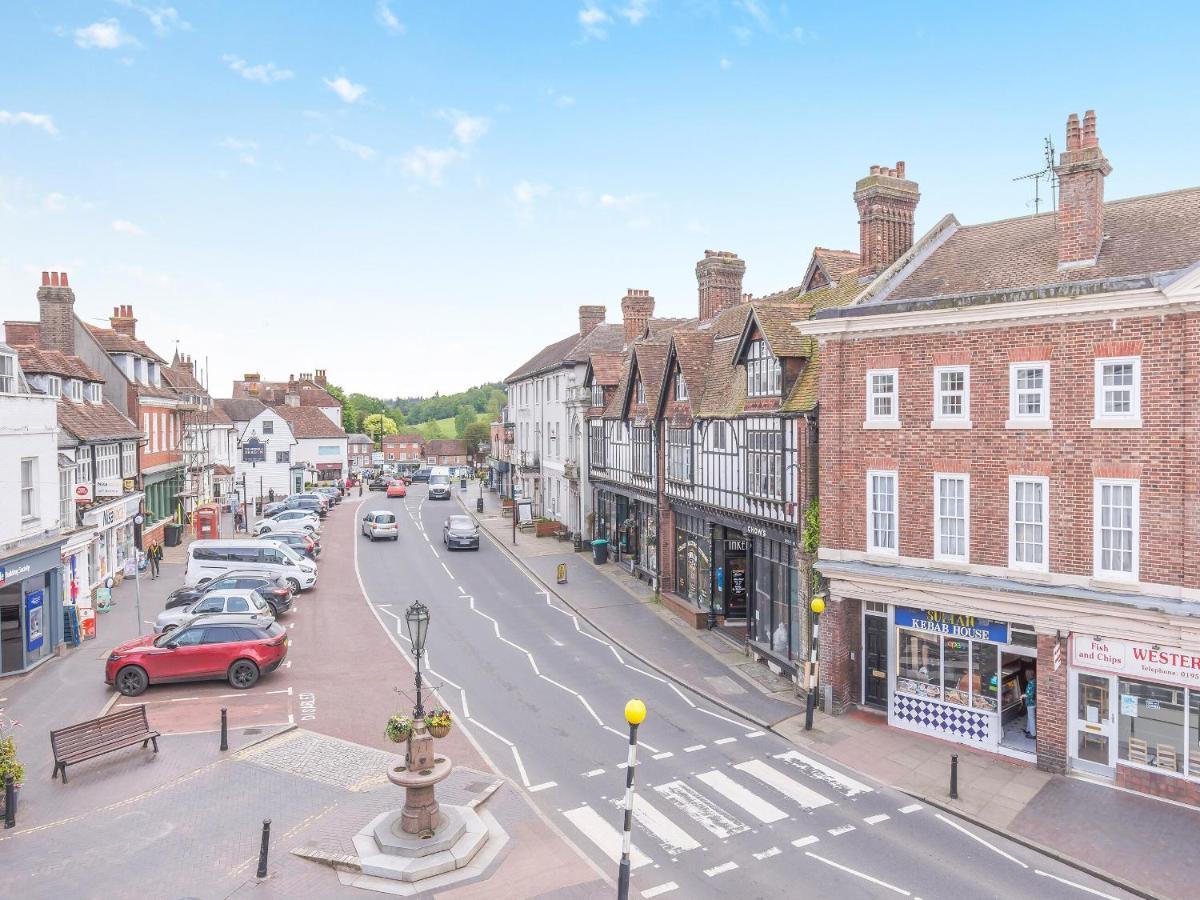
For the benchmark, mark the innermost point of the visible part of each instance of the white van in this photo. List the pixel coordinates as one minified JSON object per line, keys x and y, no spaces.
{"x":439,"y":483}
{"x":209,"y":558}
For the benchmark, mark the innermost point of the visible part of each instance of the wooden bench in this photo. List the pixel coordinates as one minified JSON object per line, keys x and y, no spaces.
{"x":95,"y":737}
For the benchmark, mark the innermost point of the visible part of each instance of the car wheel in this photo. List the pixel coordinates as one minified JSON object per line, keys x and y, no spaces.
{"x":293,"y":586}
{"x":396,"y":537}
{"x":243,"y":674}
{"x":131,"y":681}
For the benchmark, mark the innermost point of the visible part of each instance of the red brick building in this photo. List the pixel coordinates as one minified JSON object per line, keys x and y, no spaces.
{"x":408,"y":447}
{"x":1010,"y":480}
{"x":446,"y":453}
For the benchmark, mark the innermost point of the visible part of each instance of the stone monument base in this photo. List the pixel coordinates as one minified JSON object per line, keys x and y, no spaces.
{"x":386,"y":851}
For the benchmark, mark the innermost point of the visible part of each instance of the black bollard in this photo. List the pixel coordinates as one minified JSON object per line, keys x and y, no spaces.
{"x":224,"y":728}
{"x":953,"y":776}
{"x":809,"y":704}
{"x":10,"y":802}
{"x":262,"y":852}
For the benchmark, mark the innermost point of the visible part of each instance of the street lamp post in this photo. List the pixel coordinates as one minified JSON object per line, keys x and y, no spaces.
{"x":416,"y":618}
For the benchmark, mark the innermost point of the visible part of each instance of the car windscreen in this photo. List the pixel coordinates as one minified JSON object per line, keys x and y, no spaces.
{"x":439,"y":479}
{"x":384,"y":518}
{"x":461,"y":523}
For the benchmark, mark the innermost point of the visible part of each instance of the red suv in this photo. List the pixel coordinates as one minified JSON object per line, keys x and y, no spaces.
{"x":206,"y":647}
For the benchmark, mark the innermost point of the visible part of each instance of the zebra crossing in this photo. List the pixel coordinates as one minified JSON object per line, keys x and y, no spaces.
{"x":707,"y":808}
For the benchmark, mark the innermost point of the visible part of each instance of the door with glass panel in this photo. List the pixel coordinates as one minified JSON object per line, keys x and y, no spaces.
{"x":1093,"y":723}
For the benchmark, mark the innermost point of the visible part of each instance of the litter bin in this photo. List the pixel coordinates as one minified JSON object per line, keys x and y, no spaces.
{"x":173,"y":534}
{"x":600,"y":551}
{"x":462,"y":483}
{"x":479,"y":504}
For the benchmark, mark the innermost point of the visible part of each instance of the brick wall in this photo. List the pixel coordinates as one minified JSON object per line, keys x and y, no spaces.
{"x":1149,"y":782}
{"x":1072,"y":452}
{"x":1052,"y":708}
{"x":839,"y":636}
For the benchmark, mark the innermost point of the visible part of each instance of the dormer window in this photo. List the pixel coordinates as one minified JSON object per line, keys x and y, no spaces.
{"x":53,"y":386}
{"x":680,"y":387}
{"x":137,"y":370}
{"x":597,"y":395}
{"x":762,"y":371}
{"x":75,"y":389}
{"x":640,"y":391}
{"x":152,"y":373}
{"x":95,"y":392}
{"x":8,"y":373}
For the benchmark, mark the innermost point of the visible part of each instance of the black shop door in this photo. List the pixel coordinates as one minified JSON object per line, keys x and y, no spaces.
{"x":875,"y":659}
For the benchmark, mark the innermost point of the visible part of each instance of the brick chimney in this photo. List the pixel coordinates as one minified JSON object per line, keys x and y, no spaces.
{"x":56,"y":313}
{"x":589,"y":318}
{"x":636,"y":309}
{"x":251,"y":376}
{"x":886,"y":205}
{"x":719,"y":277}
{"x":123,"y":322}
{"x":185,"y":363}
{"x":319,"y":377}
{"x":1081,"y":170}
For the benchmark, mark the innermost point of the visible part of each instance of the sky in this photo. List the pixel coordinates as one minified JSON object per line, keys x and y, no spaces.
{"x":417,"y":196}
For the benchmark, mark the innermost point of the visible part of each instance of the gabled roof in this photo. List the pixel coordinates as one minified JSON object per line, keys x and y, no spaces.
{"x":240,"y":410}
{"x":576,"y":349}
{"x":115,"y":342}
{"x":774,"y":322}
{"x":606,"y":367}
{"x":308,"y":422}
{"x":212,"y":415}
{"x":91,"y":422}
{"x":359,"y":439}
{"x":182,"y":380}
{"x":549,"y":357}
{"x":35,"y":361}
{"x":690,"y":351}
{"x":647,"y":358}
{"x":446,"y":447}
{"x":274,"y":393}
{"x":405,"y":437}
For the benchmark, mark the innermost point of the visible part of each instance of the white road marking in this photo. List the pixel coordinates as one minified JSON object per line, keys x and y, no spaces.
{"x":603,"y":835}
{"x":733,"y":722}
{"x":720,"y":741}
{"x":660,"y":889}
{"x":976,"y":837}
{"x":857,"y":874}
{"x":841,"y":829}
{"x":755,"y":734}
{"x":460,"y":590}
{"x":789,"y":787}
{"x":844,"y":784}
{"x":717,"y":870}
{"x":434,"y":549}
{"x":911,"y":808}
{"x":664,"y":755}
{"x":669,"y":836}
{"x":768,"y":853}
{"x":1074,"y":885}
{"x":545,"y":785}
{"x":805,"y":841}
{"x":447,"y":568}
{"x":747,"y":800}
{"x":875,"y":820}
{"x":694,"y":748}
{"x":701,"y":810}
{"x":593,"y":773}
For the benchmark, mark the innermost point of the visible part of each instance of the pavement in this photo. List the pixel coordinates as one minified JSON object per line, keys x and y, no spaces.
{"x":1126,"y":839}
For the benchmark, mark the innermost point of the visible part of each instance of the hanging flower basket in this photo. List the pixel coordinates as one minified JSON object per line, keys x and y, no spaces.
{"x":399,"y":728}
{"x":438,"y":721}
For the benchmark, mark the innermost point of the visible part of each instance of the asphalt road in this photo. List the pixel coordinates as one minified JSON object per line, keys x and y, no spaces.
{"x":725,"y":809}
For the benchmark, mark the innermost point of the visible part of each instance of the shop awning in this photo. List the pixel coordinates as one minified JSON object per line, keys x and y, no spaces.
{"x":329,"y":467}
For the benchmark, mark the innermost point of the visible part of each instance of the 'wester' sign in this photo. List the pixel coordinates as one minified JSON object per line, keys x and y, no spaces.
{"x":1153,"y":663}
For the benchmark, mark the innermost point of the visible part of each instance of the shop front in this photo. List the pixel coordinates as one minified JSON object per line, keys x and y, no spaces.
{"x":115,"y":538}
{"x":31,"y":605}
{"x":629,"y":522}
{"x":1134,"y":715}
{"x":329,"y":472}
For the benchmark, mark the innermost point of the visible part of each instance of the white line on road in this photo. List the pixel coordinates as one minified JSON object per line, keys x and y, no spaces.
{"x":733,"y":722}
{"x":844,"y":784}
{"x":858,"y":874}
{"x":603,"y":835}
{"x":720,"y":741}
{"x":447,"y":568}
{"x":545,"y":785}
{"x":875,"y":820}
{"x":460,"y":590}
{"x":621,"y":735}
{"x":593,"y":773}
{"x":660,"y":889}
{"x":911,"y":808}
{"x":1074,"y":885}
{"x":694,"y":748}
{"x":667,"y":754}
{"x":805,"y":841}
{"x":841,"y":829}
{"x":700,"y":809}
{"x":976,"y":837}
{"x":746,"y":799}
{"x":669,"y":836}
{"x":768,"y":853}
{"x":789,"y":787}
{"x":717,"y":870}
{"x":755,"y":734}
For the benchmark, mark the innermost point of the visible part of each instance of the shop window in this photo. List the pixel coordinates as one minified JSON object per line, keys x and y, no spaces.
{"x":952,"y":396}
{"x":1152,"y":728}
{"x":956,"y":672}
{"x":1028,"y":395}
{"x":918,"y":664}
{"x":1193,"y":734}
{"x":883,"y":402}
{"x":881,"y":513}
{"x":985,"y":659}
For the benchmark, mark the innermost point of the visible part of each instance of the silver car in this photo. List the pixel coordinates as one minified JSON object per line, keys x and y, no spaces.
{"x":236,"y":602}
{"x":380,"y":523}
{"x":460,"y":531}
{"x":289,"y":520}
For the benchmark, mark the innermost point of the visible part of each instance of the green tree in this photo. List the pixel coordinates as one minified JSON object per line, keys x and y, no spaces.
{"x":433,"y":431}
{"x":465,"y":415}
{"x":349,"y":418}
{"x":475,"y":434}
{"x":377,"y":425}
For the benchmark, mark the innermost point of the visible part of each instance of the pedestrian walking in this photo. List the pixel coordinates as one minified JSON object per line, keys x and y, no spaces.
{"x":155,"y":556}
{"x":1031,"y":708}
{"x":239,"y":520}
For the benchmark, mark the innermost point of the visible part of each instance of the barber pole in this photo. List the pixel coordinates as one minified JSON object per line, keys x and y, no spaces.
{"x":635,"y":714}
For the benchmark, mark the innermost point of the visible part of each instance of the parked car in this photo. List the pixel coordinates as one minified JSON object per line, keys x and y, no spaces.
{"x":302,"y":542}
{"x":379,"y":484}
{"x":203,"y":647}
{"x":397,"y":489}
{"x":247,"y":603}
{"x":421,"y":476}
{"x":207,"y":559}
{"x":460,"y":532}
{"x":334,"y":494}
{"x":289,"y":520}
{"x":314,"y":503}
{"x":234,"y":579}
{"x":379,"y":523}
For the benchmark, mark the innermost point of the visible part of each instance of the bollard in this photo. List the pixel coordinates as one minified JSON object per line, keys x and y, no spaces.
{"x":10,"y":802}
{"x":479,"y":505}
{"x":635,"y":714}
{"x":953,"y":776}
{"x":224,"y":728}
{"x":809,"y":705}
{"x":262,"y":852}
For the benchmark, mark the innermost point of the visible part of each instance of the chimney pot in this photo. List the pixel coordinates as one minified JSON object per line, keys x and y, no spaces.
{"x":885,"y":218}
{"x":900,"y":169}
{"x":45,"y":279}
{"x":62,"y":279}
{"x":874,"y":170}
{"x":636,"y":309}
{"x":53,"y":279}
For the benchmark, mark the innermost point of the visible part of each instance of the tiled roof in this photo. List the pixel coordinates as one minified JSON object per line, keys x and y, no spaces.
{"x":549,"y":357}
{"x":220,"y":469}
{"x":212,"y":415}
{"x":607,"y":367}
{"x":775,"y":322}
{"x":446,"y":447}
{"x":115,"y":342}
{"x":651,"y":356}
{"x":35,"y":361}
{"x":88,"y":422}
{"x":274,"y":393}
{"x":1142,"y":236}
{"x":182,"y":380}
{"x":404,"y":437}
{"x":240,"y":410}
{"x":358,"y":439}
{"x":693,"y":351}
{"x":574,"y":349}
{"x":308,"y":422}
{"x":836,"y":263}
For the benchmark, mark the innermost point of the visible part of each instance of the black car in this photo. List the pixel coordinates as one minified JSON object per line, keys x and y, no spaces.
{"x":421,"y":475}
{"x":274,"y":590}
{"x":304,"y":544}
{"x":379,"y":484}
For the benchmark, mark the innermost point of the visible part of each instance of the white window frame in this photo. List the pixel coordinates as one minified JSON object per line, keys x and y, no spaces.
{"x":596,"y":444}
{"x":873,"y":420}
{"x":679,"y":455}
{"x":75,"y":390}
{"x":960,"y":419}
{"x":639,"y":391}
{"x":597,"y":395}
{"x":83,"y":466}
{"x":719,"y":435}
{"x":8,"y":373}
{"x":128,"y":459}
{"x":1016,"y":418}
{"x":938,"y":553}
{"x":95,"y":392}
{"x":66,"y":497}
{"x":29,"y":489}
{"x":872,"y":548}
{"x":1098,"y":486}
{"x":681,"y":391}
{"x":764,"y":463}
{"x":1131,"y":419}
{"x":53,"y":386}
{"x":154,"y":445}
{"x":642,"y":437}
{"x":108,"y":461}
{"x":764,"y":376}
{"x":1013,"y":562}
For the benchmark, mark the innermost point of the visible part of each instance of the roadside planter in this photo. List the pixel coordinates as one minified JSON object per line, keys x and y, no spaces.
{"x":399,"y":728}
{"x":438,"y":721}
{"x":545,"y":528}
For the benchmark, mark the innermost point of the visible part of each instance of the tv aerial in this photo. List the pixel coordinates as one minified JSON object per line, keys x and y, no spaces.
{"x":1045,"y":174}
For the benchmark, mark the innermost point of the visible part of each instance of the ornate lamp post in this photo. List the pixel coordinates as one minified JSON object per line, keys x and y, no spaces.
{"x":416,"y":618}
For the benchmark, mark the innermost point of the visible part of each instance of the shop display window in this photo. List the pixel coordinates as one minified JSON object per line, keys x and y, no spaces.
{"x":984,"y":677}
{"x":963,"y":672}
{"x":1151,"y":728}
{"x":918,"y":664}
{"x":1193,"y":734}
{"x":956,"y":667}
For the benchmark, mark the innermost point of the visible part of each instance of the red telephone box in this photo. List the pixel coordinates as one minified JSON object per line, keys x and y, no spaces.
{"x":208,"y":521}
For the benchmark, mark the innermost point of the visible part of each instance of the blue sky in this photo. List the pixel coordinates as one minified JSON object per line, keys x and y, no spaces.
{"x":418,"y":196}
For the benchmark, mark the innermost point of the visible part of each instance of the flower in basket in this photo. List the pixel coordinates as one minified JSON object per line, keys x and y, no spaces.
{"x":398,"y":728}
{"x":438,"y":721}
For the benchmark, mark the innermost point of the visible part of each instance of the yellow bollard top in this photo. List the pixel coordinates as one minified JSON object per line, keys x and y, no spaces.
{"x":635,"y":712}
{"x":817,"y":605}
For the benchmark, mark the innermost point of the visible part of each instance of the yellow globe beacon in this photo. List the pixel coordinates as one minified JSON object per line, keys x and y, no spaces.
{"x":635,"y":712}
{"x":817,"y":605}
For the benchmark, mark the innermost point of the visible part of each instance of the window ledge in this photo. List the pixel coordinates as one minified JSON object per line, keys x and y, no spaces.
{"x":1112,"y":582}
{"x":950,"y":424}
{"x":1028,"y":424}
{"x":882,"y":556}
{"x":1099,"y":422}
{"x":951,"y":565}
{"x":882,"y":424}
{"x":1041,"y":576}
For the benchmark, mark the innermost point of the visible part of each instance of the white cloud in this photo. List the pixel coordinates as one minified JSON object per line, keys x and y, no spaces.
{"x":798,"y":34}
{"x":124,"y":226}
{"x":54,"y":202}
{"x":244,"y":149}
{"x":385,"y":17}
{"x":755,"y":11}
{"x":526,"y":193}
{"x":635,"y":11}
{"x":593,"y":19}
{"x":264,"y":73}
{"x":345,"y":88}
{"x":563,"y":101}
{"x":106,"y":35}
{"x":162,"y":18}
{"x":423,"y":164}
{"x":467,"y":129}
{"x":726,"y":62}
{"x":37,"y":120}
{"x":362,"y":151}
{"x":625,"y":202}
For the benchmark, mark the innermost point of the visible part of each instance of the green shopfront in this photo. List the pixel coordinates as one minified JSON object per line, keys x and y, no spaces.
{"x":31,"y":606}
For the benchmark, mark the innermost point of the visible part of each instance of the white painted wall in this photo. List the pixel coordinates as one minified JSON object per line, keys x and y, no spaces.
{"x":263,"y":477}
{"x":308,"y":450}
{"x":28,"y":430}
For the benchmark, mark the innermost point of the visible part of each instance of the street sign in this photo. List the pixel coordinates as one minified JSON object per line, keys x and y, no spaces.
{"x":83,"y":493}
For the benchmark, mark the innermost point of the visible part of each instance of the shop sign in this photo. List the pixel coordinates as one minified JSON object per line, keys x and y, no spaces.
{"x":1151,"y":662}
{"x":129,"y":484}
{"x":34,"y":630}
{"x":952,"y":624}
{"x":755,"y":530}
{"x":83,"y":493}
{"x":254,"y":451}
{"x":735,"y":546}
{"x":109,"y":487}
{"x":6,"y":574}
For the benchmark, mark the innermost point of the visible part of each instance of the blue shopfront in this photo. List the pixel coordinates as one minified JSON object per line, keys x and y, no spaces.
{"x":31,"y":608}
